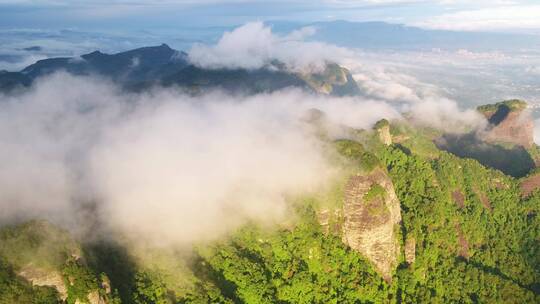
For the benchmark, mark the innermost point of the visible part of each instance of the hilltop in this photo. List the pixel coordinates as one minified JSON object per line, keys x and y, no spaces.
{"x":506,"y":143}
{"x":510,"y":122}
{"x":142,"y":68}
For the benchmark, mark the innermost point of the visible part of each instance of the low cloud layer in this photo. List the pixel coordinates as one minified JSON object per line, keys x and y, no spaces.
{"x":173,"y":168}
{"x":163,"y":166}
{"x":424,"y":103}
{"x":253,"y":46}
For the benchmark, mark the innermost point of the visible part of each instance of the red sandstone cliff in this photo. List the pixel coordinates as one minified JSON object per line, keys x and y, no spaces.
{"x":509,"y":122}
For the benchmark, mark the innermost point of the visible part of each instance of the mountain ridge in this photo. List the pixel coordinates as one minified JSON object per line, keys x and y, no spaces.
{"x":141,"y":68}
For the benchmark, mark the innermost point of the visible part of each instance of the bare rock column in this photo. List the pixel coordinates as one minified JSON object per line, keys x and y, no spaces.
{"x":371,"y":215}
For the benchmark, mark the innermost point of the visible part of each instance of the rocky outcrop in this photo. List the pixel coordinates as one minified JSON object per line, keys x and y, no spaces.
{"x":383,"y":130}
{"x":529,"y":185}
{"x":41,"y":277}
{"x":333,"y":79}
{"x":458,"y":198}
{"x":371,"y":213}
{"x":410,"y":250}
{"x":509,"y":122}
{"x":95,"y":298}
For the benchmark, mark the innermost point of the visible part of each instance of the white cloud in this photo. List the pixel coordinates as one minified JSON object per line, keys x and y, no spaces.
{"x":500,"y":17}
{"x":253,"y":46}
{"x":425,"y":103}
{"x":163,"y":166}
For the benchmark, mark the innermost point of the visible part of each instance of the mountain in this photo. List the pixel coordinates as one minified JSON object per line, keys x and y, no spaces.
{"x":137,"y":65}
{"x":509,"y":122}
{"x":142,"y":68}
{"x":506,"y":143}
{"x":407,"y":222}
{"x":10,"y":81}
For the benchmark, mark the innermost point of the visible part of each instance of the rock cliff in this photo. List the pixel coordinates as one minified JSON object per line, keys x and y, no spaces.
{"x":371,"y":213}
{"x":333,"y":80}
{"x":509,"y":122}
{"x":46,"y":255}
{"x":42,"y":277}
{"x":410,"y":250}
{"x":383,"y":130}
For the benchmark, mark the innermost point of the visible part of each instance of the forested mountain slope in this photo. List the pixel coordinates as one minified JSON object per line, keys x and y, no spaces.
{"x":405,"y":223}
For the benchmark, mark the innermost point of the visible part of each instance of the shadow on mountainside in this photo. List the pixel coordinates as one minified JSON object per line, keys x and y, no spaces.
{"x":113,"y":260}
{"x":514,"y":161}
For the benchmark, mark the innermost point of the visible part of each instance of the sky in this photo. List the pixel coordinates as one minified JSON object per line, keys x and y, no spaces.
{"x":504,"y":66}
{"x":478,"y":15}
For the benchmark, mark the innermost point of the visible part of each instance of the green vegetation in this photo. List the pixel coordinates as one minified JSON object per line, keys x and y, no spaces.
{"x":38,"y":246}
{"x":80,"y":281}
{"x":482,"y":250}
{"x":357,"y":153}
{"x":381,"y":124}
{"x":374,"y":192}
{"x":298,"y":266}
{"x":334,"y":80}
{"x":514,"y":160}
{"x":534,"y":153}
{"x":417,"y":140}
{"x":38,"y":243}
{"x":512,"y":105}
{"x":14,"y":289}
{"x":500,"y":265}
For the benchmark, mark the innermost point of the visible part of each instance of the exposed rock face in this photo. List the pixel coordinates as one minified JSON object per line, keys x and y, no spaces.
{"x":529,"y":185}
{"x":458,"y":198}
{"x":94,"y":298}
{"x":509,"y":122}
{"x":486,"y":203}
{"x":334,"y":80}
{"x":42,"y":277}
{"x":383,"y":130}
{"x":410,"y":250}
{"x":370,"y":219}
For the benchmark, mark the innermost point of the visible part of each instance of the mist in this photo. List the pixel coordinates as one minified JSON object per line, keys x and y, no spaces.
{"x":254,"y":45}
{"x":166,"y":167}
{"x":163,"y":166}
{"x":170,"y":168}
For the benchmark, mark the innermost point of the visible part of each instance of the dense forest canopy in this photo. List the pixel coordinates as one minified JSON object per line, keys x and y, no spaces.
{"x":466,"y":235}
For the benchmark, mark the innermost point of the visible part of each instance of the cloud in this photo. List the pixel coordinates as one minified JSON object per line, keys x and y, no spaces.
{"x":537,"y":131}
{"x":425,"y":103}
{"x":41,"y":134}
{"x":501,"y":17}
{"x":253,"y":46}
{"x":380,"y":83}
{"x":173,"y":168}
{"x":163,"y":166}
{"x":444,"y":114}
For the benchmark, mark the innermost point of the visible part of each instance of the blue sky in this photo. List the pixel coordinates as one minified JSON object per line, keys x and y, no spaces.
{"x":477,"y":15}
